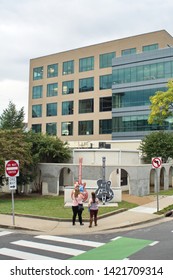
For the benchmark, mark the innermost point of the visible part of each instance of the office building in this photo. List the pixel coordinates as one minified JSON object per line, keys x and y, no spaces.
{"x":80,"y":96}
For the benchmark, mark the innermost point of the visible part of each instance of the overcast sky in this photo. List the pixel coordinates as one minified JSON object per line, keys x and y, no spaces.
{"x":34,"y":28}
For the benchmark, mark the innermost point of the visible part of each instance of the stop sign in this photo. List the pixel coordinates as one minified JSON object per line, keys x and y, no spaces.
{"x":11,"y":168}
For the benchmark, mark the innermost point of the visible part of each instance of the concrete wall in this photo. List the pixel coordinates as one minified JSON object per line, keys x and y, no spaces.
{"x":139,"y":176}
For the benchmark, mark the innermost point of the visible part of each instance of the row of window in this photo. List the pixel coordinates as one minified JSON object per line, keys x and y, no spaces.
{"x":134,"y":98}
{"x":142,"y":73}
{"x":85,"y":64}
{"x":86,"y":84}
{"x":137,"y":123}
{"x":85,"y":106}
{"x":84,"y":128}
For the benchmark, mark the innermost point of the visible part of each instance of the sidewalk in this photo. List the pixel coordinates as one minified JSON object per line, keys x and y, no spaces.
{"x":135,"y":216}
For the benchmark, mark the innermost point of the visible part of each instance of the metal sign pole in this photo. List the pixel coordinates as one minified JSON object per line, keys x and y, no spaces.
{"x":157,"y":188}
{"x":12,"y":196}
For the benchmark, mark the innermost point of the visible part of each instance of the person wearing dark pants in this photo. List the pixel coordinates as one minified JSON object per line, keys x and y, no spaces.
{"x":93,"y":207}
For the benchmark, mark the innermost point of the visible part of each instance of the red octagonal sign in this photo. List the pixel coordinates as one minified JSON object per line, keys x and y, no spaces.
{"x":11,"y":168}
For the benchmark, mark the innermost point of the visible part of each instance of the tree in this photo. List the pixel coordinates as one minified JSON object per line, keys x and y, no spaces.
{"x":11,"y":118}
{"x":157,"y":144}
{"x":13,"y":145}
{"x":48,"y":149}
{"x":161,"y":105}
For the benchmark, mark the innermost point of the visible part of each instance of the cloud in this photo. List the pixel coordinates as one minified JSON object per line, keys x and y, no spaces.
{"x":34,"y":28}
{"x":15,"y":91}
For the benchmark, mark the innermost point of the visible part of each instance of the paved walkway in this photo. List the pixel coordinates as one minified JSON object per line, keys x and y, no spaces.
{"x":138,"y":215}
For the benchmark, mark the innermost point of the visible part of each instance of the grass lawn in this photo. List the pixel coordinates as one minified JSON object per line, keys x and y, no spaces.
{"x":53,"y":206}
{"x":49,"y":206}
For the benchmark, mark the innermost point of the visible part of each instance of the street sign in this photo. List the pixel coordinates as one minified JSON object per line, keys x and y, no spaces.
{"x":12,"y":183}
{"x":11,"y":168}
{"x":157,"y":162}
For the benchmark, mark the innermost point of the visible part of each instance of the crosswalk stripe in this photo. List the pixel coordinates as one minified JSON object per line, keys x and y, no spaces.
{"x":22,"y":255}
{"x":2,"y":233}
{"x":47,"y":247}
{"x":70,"y":240}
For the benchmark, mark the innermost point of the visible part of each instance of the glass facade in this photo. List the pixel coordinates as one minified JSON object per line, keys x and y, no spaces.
{"x":105,"y":104}
{"x":51,"y":109}
{"x":67,"y":108}
{"x":37,"y":92}
{"x":105,"y":82}
{"x":51,"y":129}
{"x":52,"y":70}
{"x":128,"y":51}
{"x":37,"y":111}
{"x":134,"y":97}
{"x":38,"y":73}
{"x":86,"y":106}
{"x":143,"y":72}
{"x":105,"y":126}
{"x":68,"y":87}
{"x":36,"y":128}
{"x":86,"y":64}
{"x":52,"y":89}
{"x":106,"y":59}
{"x":86,"y":84}
{"x":137,"y":123}
{"x":85,"y":127}
{"x":150,"y":47}
{"x":66,"y":128}
{"x":68,"y":67}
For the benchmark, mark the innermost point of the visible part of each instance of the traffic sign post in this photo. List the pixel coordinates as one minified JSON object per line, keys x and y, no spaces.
{"x":156,"y":164}
{"x":11,"y":172}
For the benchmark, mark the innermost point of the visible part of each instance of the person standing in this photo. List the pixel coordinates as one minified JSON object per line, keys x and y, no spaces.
{"x":74,"y":196}
{"x":77,"y":205}
{"x":80,"y":207}
{"x":93,"y":207}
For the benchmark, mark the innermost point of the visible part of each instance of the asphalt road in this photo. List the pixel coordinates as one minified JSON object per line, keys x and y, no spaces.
{"x":153,"y":242}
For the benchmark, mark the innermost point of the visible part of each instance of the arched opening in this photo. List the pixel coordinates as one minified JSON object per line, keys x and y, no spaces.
{"x":65,"y":178}
{"x":152,"y":180}
{"x":171,"y":177}
{"x":162,"y":178}
{"x":120,"y":178}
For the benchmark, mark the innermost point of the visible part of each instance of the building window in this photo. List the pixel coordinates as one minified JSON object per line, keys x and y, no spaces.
{"x":52,"y":89}
{"x":68,"y":87}
{"x":66,"y":128}
{"x":36,"y":128}
{"x":150,"y":47}
{"x":37,"y":111}
{"x":128,"y":51}
{"x":105,"y":126}
{"x":67,"y":108}
{"x":51,"y":109}
{"x":51,"y":129}
{"x":68,"y":67}
{"x":52,"y":70}
{"x":137,"y":123}
{"x":85,"y":127}
{"x":106,"y":82}
{"x":143,"y":73}
{"x":37,"y":92}
{"x":38,"y":73}
{"x":86,"y":84}
{"x":134,"y":98}
{"x":106,"y":104}
{"x":86,"y":64}
{"x":86,"y":106}
{"x":106,"y":59}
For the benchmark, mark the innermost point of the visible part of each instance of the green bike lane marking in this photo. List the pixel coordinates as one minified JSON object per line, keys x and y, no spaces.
{"x":118,"y":249}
